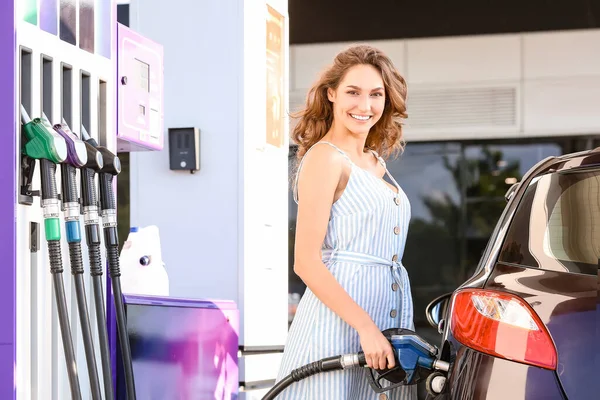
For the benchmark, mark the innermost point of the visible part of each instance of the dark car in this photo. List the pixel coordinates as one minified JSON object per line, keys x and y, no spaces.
{"x":527,"y":324}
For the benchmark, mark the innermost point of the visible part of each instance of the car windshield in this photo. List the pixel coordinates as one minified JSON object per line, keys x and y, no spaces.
{"x":557,"y":224}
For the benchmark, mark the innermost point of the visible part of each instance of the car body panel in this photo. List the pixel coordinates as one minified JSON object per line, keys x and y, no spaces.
{"x":478,"y":376}
{"x":566,"y":304}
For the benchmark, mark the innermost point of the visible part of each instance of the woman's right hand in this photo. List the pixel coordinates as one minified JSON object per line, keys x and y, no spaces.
{"x":378,"y":350}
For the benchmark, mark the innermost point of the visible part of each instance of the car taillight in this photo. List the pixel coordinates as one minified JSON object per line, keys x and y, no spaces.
{"x":501,"y":325}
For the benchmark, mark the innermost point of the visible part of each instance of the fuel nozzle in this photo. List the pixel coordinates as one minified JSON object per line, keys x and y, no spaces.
{"x":95,"y":161}
{"x":111,"y":163}
{"x":43,"y":142}
{"x":77,"y":153}
{"x":415,"y":361}
{"x":94,"y":164}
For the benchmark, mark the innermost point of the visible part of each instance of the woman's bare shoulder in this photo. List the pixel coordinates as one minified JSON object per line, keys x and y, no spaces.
{"x":323,"y":155}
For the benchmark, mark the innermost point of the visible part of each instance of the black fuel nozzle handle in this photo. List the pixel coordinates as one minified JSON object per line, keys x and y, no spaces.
{"x":69,"y":184}
{"x":107,"y":197}
{"x":111,"y":166}
{"x":89,"y":196}
{"x":48,"y":172}
{"x":95,"y":161}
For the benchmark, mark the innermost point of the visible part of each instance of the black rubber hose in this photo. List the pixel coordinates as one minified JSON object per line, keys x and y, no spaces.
{"x":84,"y":318}
{"x":323,"y":365}
{"x":56,"y":269}
{"x":103,"y":337}
{"x":115,"y":273}
{"x":98,"y":288}
{"x":279,"y":387}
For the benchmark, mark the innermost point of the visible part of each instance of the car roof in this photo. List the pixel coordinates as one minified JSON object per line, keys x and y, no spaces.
{"x":582,"y":159}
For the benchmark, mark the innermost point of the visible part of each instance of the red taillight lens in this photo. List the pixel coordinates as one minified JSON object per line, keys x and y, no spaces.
{"x":502,"y":325}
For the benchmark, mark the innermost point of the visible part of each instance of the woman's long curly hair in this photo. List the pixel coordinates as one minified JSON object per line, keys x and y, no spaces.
{"x":316,"y":118}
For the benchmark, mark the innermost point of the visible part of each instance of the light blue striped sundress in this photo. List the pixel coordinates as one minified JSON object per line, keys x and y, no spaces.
{"x":363,"y":247}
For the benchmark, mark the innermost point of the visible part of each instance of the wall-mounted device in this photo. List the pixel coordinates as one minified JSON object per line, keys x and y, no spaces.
{"x":140,"y":94}
{"x":184,"y":149}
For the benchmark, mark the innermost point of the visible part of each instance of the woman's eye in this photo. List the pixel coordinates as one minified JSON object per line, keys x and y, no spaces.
{"x":378,"y":94}
{"x":352,"y":92}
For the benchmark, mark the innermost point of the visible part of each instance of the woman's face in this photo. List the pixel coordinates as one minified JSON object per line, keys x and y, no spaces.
{"x":359,"y":100}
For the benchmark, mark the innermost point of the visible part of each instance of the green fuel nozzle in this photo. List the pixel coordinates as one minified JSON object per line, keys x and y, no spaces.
{"x":43,"y":142}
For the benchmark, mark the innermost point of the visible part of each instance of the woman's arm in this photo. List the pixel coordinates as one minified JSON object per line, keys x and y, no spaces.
{"x":317,"y":184}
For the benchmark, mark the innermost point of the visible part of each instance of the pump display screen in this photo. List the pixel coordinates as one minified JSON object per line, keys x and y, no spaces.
{"x":181,"y":352}
{"x":144,"y":75}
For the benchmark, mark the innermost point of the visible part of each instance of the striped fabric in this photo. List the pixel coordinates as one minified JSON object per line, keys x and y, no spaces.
{"x":363,"y":247}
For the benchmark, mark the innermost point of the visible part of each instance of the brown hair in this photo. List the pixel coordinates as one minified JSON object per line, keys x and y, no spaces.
{"x":316,"y":118}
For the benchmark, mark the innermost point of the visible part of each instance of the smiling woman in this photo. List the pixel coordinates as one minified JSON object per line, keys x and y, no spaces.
{"x":389,"y":97}
{"x":351,"y":227}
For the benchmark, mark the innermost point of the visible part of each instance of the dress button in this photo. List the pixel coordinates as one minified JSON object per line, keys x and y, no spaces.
{"x":394,"y":286}
{"x":395,"y":257}
{"x":393,"y":313}
{"x":383,"y":396}
{"x":397,"y":230}
{"x":397,"y":200}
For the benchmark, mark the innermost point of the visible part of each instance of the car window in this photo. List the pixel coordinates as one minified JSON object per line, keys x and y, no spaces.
{"x":557,"y":224}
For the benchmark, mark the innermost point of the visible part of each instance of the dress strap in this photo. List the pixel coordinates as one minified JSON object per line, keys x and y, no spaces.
{"x":382,"y":162}
{"x":295,"y":191}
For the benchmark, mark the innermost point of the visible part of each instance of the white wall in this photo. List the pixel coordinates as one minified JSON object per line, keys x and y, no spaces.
{"x":508,"y":85}
{"x":202,"y":66}
{"x":223,"y":229}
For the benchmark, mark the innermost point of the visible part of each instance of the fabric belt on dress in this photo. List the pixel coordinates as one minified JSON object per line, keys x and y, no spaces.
{"x":396,"y":267}
{"x":329,"y":255}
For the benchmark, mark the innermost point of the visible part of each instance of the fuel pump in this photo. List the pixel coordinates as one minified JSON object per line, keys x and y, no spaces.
{"x":108,"y":206}
{"x":47,"y":146}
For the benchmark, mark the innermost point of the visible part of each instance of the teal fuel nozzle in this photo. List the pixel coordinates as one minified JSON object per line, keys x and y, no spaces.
{"x":43,"y":142}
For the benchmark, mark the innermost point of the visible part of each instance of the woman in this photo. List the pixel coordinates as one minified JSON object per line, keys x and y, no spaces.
{"x":351,"y":226}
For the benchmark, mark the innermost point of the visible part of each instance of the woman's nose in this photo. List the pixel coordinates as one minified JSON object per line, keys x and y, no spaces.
{"x":364,"y":103}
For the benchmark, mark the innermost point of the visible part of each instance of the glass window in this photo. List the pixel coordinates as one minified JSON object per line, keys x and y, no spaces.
{"x":429,"y":174}
{"x":557,"y":224}
{"x":489,"y":171}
